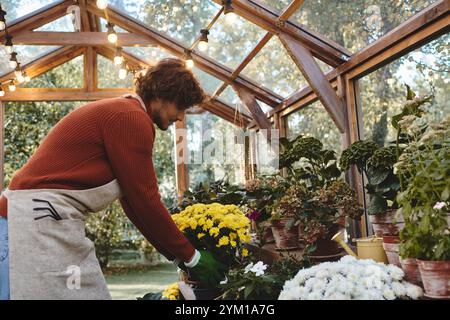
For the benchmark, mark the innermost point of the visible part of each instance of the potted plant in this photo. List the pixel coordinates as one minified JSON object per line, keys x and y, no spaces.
{"x":376,"y":163}
{"x":324,"y":215}
{"x":221,"y":229}
{"x":424,"y":171}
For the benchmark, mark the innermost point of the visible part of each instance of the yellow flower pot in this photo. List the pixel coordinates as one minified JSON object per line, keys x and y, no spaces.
{"x":371,"y":248}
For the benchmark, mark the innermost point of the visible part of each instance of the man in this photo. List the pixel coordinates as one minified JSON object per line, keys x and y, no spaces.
{"x":96,"y":154}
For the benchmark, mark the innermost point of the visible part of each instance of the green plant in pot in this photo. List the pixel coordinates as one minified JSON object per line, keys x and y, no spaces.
{"x":325,"y":213}
{"x":424,"y":169}
{"x":377,"y":165}
{"x":307,"y":161}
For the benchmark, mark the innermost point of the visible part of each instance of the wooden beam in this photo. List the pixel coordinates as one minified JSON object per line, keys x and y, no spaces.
{"x":130,"y":59}
{"x":54,"y":38}
{"x":181,"y":152}
{"x":258,"y":115}
{"x":37,"y":18}
{"x":266,"y":18}
{"x":317,"y":80}
{"x":50,"y":94}
{"x":174,"y":47}
{"x":224,"y":111}
{"x":47,"y":62}
{"x":90,"y":69}
{"x":290,"y":10}
{"x":85,"y":22}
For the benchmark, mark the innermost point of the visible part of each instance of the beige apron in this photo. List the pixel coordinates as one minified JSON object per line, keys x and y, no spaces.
{"x":49,"y":254}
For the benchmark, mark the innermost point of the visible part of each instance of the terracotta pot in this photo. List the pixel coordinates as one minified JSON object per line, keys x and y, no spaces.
{"x":436,"y":278}
{"x":266,"y":231}
{"x":391,"y":245}
{"x":325,"y":246}
{"x":411,"y":270}
{"x":386,"y":224}
{"x":285,"y":238}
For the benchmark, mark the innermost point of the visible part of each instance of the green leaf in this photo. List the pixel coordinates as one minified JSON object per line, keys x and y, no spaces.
{"x":445,"y":194}
{"x":377,"y":205}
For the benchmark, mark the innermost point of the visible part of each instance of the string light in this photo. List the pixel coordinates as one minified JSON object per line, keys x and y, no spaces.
{"x":203,"y":43}
{"x":118,"y":59}
{"x":188,"y":59}
{"x":230,"y":16}
{"x":102,"y":4}
{"x":13,"y":60}
{"x":26,"y":77}
{"x":17,"y":71}
{"x":122,"y":72}
{"x":2,"y":19}
{"x":2,"y":92}
{"x":112,"y":36}
{"x":12,"y":86}
{"x":8,"y":44}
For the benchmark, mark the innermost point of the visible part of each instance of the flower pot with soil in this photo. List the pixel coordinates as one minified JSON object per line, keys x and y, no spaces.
{"x":436,"y":278}
{"x":387,"y":223}
{"x":391,"y":245}
{"x":285,"y":233}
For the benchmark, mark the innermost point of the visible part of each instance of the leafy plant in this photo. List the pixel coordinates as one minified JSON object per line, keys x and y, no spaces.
{"x":316,"y":166}
{"x":377,"y":164}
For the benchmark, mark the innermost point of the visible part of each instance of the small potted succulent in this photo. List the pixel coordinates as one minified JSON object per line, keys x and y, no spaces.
{"x":377,"y":165}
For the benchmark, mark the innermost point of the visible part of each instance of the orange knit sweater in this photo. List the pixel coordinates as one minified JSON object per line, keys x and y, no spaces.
{"x":96,"y":143}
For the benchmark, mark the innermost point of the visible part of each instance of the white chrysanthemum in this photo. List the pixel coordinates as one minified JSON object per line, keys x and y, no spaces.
{"x":395,"y":272}
{"x":412,"y":291}
{"x":322,"y":274}
{"x":348,"y":259}
{"x":388,"y":294}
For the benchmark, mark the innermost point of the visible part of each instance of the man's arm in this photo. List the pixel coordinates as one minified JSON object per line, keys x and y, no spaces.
{"x":128,"y":139}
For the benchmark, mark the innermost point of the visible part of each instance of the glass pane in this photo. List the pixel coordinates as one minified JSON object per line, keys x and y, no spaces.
{"x":26,"y":124}
{"x":355,"y":24}
{"x":180,"y":19}
{"x":209,"y":160}
{"x":163,"y":152}
{"x":25,"y":54}
{"x":314,"y":121}
{"x":277,"y":5}
{"x":58,"y":77}
{"x":383,"y":92}
{"x":63,"y":24}
{"x":231,"y":44}
{"x":230,"y":97}
{"x":208,"y":82}
{"x":151,"y":55}
{"x":265,"y":107}
{"x":18,"y":8}
{"x":274,"y":69}
{"x":108,"y":75}
{"x":103,"y":28}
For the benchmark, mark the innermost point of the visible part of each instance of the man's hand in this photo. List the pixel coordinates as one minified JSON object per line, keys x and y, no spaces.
{"x":206,"y":268}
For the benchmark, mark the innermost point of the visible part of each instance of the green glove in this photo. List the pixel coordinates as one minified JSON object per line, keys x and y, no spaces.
{"x":206,"y":268}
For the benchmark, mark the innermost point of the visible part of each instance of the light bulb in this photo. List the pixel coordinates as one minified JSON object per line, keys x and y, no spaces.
{"x":203,"y":46}
{"x":122,"y":73}
{"x":27,"y":78}
{"x":9,"y":49}
{"x":20,"y":78}
{"x":102,"y":4}
{"x":13,"y":63}
{"x":2,"y":92}
{"x":112,"y":38}
{"x":118,"y":60}
{"x":230,"y":18}
{"x":2,"y":25}
{"x":12,"y":87}
{"x":189,"y":63}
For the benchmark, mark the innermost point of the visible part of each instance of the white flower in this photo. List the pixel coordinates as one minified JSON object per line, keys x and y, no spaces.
{"x":399,"y":289}
{"x":259,"y":268}
{"x":248,"y":267}
{"x":439,"y":205}
{"x":412,"y":291}
{"x":322,"y":274}
{"x":395,"y":272}
{"x":389,"y":294}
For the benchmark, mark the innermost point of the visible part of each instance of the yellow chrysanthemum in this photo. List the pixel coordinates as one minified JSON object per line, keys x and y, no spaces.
{"x":200,"y":235}
{"x":244,"y":252}
{"x":172,"y":292}
{"x":214,"y":232}
{"x":223,"y":241}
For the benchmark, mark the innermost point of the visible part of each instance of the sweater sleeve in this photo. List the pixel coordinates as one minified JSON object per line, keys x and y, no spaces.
{"x":128,"y":138}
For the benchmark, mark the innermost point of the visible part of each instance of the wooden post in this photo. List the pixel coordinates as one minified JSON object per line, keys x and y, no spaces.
{"x":181,"y":150}
{"x":90,"y":69}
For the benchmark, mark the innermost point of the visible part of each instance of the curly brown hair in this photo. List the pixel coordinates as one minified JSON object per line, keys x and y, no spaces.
{"x":170,"y":80}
